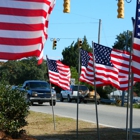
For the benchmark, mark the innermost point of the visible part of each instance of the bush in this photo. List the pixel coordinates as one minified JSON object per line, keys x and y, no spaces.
{"x":13,"y":110}
{"x":136,"y":105}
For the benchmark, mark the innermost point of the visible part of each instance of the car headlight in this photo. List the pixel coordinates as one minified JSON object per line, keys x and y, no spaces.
{"x":34,"y":94}
{"x":53,"y":93}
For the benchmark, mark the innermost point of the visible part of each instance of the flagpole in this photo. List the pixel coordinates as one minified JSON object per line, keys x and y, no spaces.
{"x":132,"y":80}
{"x":51,"y":95}
{"x":78,"y":100}
{"x":128,"y":95}
{"x":95,"y":93}
{"x":125,"y":49}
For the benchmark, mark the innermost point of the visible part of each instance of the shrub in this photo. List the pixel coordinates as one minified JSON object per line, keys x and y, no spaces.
{"x":136,"y":105}
{"x":13,"y":110}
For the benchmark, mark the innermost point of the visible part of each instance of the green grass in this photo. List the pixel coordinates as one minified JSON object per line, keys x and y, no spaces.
{"x":42,"y":127}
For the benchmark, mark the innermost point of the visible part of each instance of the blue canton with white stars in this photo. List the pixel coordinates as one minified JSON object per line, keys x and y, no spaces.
{"x":84,"y":58}
{"x":102,"y":55}
{"x":137,"y":21}
{"x":52,"y":65}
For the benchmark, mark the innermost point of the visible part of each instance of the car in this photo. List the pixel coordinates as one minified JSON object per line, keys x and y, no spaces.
{"x":72,"y":94}
{"x":39,"y":91}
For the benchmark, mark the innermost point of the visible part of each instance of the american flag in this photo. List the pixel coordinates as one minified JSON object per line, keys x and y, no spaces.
{"x":59,"y":74}
{"x":23,"y":27}
{"x":111,"y":67}
{"x":136,"y":44}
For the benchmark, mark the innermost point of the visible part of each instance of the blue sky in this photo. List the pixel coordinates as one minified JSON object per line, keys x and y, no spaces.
{"x":83,"y":20}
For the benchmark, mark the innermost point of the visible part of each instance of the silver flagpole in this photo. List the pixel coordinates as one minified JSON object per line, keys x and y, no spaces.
{"x":95,"y":92}
{"x":51,"y":95}
{"x":78,"y":100}
{"x":127,"y":112}
{"x":132,"y":81}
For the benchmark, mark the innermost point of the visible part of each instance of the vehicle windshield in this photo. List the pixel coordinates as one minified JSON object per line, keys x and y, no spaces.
{"x":83,"y":88}
{"x":39,"y":85}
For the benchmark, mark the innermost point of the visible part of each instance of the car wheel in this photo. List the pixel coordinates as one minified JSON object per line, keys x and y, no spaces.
{"x":40,"y":103}
{"x":85,"y":101}
{"x":61,"y":98}
{"x":32,"y":103}
{"x":52,"y":103}
{"x":69,"y":99}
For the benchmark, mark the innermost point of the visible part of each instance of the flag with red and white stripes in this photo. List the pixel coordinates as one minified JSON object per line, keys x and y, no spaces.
{"x":136,"y":44}
{"x":111,"y":67}
{"x":59,"y":74}
{"x":23,"y":27}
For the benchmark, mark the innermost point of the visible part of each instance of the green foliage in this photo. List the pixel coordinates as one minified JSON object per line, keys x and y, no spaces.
{"x":136,"y":88}
{"x":13,"y":110}
{"x":123,"y":40}
{"x":136,"y":105}
{"x":71,"y":53}
{"x":74,"y":74}
{"x":16,"y":72}
{"x":108,"y":89}
{"x":102,"y":92}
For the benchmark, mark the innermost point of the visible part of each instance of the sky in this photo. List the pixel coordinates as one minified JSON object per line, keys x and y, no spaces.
{"x":83,"y":20}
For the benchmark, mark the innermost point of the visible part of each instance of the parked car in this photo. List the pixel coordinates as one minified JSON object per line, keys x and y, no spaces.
{"x":39,"y":91}
{"x":72,"y":94}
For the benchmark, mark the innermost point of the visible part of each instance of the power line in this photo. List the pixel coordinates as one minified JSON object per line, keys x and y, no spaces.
{"x":80,"y":15}
{"x":77,"y":37}
{"x":74,"y":23}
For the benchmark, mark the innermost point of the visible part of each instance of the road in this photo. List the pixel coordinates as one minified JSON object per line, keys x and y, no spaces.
{"x":113,"y":116}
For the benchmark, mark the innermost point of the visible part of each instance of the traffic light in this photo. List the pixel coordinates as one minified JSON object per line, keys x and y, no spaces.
{"x":54,"y":44}
{"x":66,"y":6}
{"x":79,"y":43}
{"x":120,"y":9}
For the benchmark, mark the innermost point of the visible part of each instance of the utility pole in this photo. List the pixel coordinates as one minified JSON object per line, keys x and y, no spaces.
{"x":99,"y":31}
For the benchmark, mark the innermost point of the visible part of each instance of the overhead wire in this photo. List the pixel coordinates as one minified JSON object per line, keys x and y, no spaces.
{"x":83,"y":23}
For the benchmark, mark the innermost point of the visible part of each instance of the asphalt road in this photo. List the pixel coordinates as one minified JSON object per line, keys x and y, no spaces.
{"x":108,"y":115}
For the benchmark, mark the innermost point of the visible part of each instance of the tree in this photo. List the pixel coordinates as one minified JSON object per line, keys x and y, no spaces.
{"x":74,"y":74}
{"x":71,"y":53}
{"x":123,"y":41}
{"x":137,"y":88}
{"x":16,"y":72}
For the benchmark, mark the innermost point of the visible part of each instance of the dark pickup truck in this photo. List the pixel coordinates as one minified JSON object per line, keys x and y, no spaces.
{"x":39,"y":91}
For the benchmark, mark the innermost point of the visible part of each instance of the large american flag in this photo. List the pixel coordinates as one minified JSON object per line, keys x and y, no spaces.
{"x":136,"y":43}
{"x":111,"y":67}
{"x":23,"y":27}
{"x":59,"y":74}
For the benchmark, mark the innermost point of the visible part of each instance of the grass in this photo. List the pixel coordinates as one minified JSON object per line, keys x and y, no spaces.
{"x":41,"y":127}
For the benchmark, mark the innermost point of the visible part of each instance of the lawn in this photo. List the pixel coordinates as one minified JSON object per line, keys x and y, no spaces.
{"x":43,"y":127}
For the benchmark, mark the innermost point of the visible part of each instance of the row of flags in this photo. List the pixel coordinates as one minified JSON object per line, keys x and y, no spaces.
{"x":24,"y":31}
{"x":105,"y":66}
{"x":111,"y":67}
